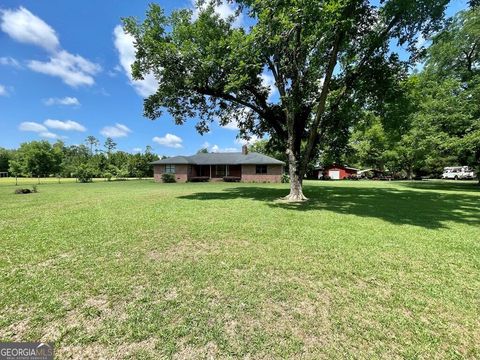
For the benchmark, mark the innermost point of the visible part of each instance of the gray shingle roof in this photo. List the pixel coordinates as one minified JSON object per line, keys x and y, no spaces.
{"x":222,"y":159}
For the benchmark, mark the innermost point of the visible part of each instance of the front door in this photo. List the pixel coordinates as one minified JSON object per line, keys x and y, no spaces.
{"x":334,"y":174}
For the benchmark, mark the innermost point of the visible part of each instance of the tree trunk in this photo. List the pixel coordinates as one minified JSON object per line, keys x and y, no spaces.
{"x":409,"y":173}
{"x":296,"y":190}
{"x":296,"y":178}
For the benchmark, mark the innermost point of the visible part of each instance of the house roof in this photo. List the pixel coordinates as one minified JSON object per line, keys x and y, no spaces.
{"x":236,"y":158}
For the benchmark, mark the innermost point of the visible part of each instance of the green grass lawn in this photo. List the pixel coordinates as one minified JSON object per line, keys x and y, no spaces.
{"x":142,"y":270}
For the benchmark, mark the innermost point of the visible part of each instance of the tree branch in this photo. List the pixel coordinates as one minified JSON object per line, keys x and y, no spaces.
{"x":220,"y":94}
{"x":277,"y":76}
{"x":332,"y":62}
{"x":314,"y":136}
{"x":265,"y":113}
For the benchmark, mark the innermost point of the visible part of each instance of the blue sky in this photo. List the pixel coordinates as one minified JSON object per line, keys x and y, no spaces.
{"x":63,"y":75}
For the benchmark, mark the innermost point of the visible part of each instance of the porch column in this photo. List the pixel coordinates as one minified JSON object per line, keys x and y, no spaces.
{"x":210,"y":171}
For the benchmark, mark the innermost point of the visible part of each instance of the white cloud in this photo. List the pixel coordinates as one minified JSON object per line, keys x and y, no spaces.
{"x":32,"y":126}
{"x":137,"y":150}
{"x":224,"y":10}
{"x":253,"y":140}
{"x":50,"y":135}
{"x":232,"y":125}
{"x":169,"y":140}
{"x":74,"y":70}
{"x":218,"y":149}
{"x":40,"y":129}
{"x":68,"y":101}
{"x":116,"y":131}
{"x":9,"y":61}
{"x":126,"y":52}
{"x":43,"y":130}
{"x":23,"y":26}
{"x":67,"y":125}
{"x":3,"y":91}
{"x":27,"y":28}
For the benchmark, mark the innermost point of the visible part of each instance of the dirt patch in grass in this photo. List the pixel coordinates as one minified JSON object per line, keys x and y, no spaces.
{"x":186,"y":351}
{"x":184,"y":250}
{"x":190,"y":250}
{"x":16,"y":331}
{"x":96,"y":351}
{"x":88,"y":318}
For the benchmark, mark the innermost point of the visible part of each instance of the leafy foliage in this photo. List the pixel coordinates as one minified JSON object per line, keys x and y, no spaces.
{"x":168,"y":178}
{"x":439,"y":114}
{"x":85,"y":173}
{"x":40,"y":158}
{"x":24,"y":191}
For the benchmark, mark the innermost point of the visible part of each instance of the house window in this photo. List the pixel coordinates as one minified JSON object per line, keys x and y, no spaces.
{"x":261,"y":169}
{"x":169,"y":169}
{"x":221,"y":170}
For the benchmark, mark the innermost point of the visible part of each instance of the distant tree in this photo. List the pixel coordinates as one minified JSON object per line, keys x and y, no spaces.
{"x":73,"y":156}
{"x":84,"y":173}
{"x":139,"y":165}
{"x":203,"y":151}
{"x":92,"y":141}
{"x":15,"y":169}
{"x":39,"y":158}
{"x":368,"y":144}
{"x":149,"y":157}
{"x":120,"y":159}
{"x":110,"y":146}
{"x":112,"y":169}
{"x":5,"y":157}
{"x":99,"y":163}
{"x":123,"y":173}
{"x":327,"y":59}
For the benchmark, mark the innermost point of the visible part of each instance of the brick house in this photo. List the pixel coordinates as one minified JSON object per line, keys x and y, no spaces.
{"x":241,"y":166}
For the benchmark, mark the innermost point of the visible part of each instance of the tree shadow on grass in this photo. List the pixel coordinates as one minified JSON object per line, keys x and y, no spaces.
{"x":428,"y":209}
{"x":464,"y":186}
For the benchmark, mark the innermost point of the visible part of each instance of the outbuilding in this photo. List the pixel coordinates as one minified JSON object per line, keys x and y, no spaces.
{"x":338,"y":172}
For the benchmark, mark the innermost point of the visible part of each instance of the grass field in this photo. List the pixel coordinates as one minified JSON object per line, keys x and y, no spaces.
{"x":143,"y":270}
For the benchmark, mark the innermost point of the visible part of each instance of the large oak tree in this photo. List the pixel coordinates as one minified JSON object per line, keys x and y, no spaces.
{"x":327,"y":58}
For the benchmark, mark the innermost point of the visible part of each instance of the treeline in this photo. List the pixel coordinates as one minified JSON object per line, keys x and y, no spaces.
{"x":43,"y":159}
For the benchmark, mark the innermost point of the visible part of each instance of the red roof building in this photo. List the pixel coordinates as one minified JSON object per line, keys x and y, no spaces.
{"x":337,"y":172}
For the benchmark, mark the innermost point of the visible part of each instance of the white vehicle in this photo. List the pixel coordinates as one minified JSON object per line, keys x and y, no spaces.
{"x":458,"y":173}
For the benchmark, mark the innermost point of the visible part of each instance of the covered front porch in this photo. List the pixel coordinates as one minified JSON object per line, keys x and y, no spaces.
{"x":215,"y":172}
